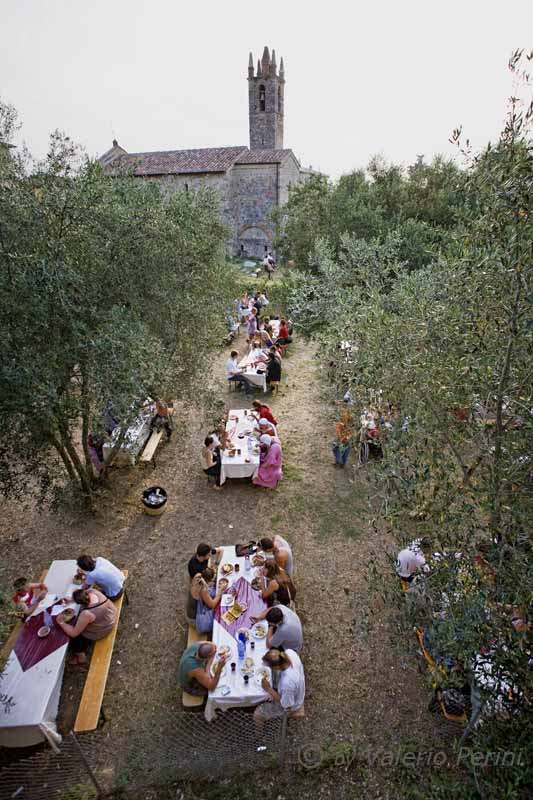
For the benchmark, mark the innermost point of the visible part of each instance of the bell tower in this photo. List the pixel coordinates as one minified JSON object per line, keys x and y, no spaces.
{"x":266,"y":102}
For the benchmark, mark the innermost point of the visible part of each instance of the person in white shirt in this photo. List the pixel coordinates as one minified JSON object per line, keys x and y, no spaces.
{"x":290,"y":694}
{"x":411,"y":559}
{"x":234,"y":374}
{"x":102,"y":572}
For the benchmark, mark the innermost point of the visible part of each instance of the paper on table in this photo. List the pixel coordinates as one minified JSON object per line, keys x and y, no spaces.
{"x":59,"y":608}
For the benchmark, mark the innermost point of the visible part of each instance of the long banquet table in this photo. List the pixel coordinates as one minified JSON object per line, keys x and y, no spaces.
{"x":247,"y":364}
{"x":245,"y":463}
{"x":226,"y":635}
{"x":30,"y":684}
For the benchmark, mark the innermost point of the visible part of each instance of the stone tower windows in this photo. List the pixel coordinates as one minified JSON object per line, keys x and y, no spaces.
{"x":266,"y":102}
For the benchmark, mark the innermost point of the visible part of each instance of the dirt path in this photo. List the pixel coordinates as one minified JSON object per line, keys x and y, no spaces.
{"x":359,"y":688}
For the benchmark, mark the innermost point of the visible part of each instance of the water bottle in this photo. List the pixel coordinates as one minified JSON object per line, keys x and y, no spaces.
{"x":249,"y":445}
{"x":241,"y":649}
{"x":247,"y":565}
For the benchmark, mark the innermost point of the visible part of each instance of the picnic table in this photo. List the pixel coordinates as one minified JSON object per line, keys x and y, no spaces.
{"x":256,"y":376}
{"x":30,"y":684}
{"x":225,"y":634}
{"x":239,"y":428}
{"x":135,"y":438}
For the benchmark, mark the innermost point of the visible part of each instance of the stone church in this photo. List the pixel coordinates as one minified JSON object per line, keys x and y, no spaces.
{"x":251,"y":182}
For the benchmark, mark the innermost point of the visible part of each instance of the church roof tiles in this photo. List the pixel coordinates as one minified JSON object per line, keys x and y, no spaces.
{"x":172,"y":162}
{"x":263,"y":156}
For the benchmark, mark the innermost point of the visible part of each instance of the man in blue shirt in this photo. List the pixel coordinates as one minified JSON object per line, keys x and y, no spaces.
{"x":102,"y":572}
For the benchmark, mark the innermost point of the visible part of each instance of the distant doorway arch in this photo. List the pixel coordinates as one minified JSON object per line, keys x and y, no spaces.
{"x":255,"y":240}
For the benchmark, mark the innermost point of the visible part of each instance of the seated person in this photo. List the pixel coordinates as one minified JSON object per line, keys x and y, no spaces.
{"x":262,"y":411}
{"x":273,"y":368}
{"x":290,"y":693}
{"x":266,"y":339}
{"x":284,"y":628}
{"x":194,"y":675}
{"x":211,"y":463}
{"x":206,"y":598}
{"x":283,"y":337}
{"x":95,"y":620}
{"x":280,"y":550}
{"x":411,"y":559}
{"x":95,"y":445}
{"x":270,"y":470}
{"x":279,"y":587}
{"x":109,"y":578}
{"x":234,"y":374}
{"x":232,"y":326}
{"x":201,"y":559}
{"x":162,"y":418}
{"x":266,"y":427}
{"x":28,"y":595}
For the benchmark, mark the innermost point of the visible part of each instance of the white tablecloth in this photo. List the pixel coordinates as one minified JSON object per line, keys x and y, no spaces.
{"x":29,"y":690}
{"x":134,"y":440}
{"x":240,"y":695}
{"x":237,"y":466}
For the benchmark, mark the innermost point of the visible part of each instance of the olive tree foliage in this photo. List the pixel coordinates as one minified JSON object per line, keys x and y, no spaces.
{"x":447,"y":351}
{"x":421,"y":204}
{"x":109,"y":293}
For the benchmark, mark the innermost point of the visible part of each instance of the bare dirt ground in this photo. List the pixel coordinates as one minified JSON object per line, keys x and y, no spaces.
{"x":360,"y":686}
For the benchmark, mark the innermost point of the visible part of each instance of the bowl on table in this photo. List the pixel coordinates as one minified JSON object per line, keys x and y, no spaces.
{"x":78,"y":580}
{"x":43,"y":631}
{"x":68,"y":614}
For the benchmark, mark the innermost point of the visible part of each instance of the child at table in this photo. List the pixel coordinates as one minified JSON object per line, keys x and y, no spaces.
{"x":28,"y":595}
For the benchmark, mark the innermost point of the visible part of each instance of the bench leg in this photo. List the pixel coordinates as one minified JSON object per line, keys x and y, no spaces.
{"x":102,"y":719}
{"x":126,"y":598}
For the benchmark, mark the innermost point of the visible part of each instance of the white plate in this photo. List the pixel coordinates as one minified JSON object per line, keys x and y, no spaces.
{"x":212,"y":670}
{"x":227,"y":599}
{"x":262,"y":626}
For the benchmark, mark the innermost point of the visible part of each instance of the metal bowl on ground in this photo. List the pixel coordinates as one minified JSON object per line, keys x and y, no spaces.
{"x":154,"y":500}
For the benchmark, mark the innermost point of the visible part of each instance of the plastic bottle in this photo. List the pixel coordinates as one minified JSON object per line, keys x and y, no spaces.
{"x":241,"y":649}
{"x":250,"y":445}
{"x":247,"y":565}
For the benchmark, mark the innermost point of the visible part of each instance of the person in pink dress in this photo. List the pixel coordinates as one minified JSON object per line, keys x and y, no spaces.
{"x":270,"y":469}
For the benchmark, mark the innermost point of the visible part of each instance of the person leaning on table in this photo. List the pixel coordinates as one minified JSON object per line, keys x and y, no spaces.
{"x":102,"y":572}
{"x":95,"y":620}
{"x":194,"y":675}
{"x":290,"y":694}
{"x":284,"y":628}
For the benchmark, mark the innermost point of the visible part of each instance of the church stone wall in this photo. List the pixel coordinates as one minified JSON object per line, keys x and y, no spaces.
{"x":255,"y":191}
{"x":290,"y":177}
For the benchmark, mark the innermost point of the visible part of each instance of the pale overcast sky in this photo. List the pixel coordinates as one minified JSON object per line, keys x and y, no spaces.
{"x":392,"y":77}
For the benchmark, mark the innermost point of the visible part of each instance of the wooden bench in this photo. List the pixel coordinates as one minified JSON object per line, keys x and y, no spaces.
{"x":192,"y":700}
{"x":13,"y":636}
{"x":148,"y":454}
{"x":90,"y":710}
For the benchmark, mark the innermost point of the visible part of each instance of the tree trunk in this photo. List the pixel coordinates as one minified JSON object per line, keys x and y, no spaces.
{"x":84,"y":478}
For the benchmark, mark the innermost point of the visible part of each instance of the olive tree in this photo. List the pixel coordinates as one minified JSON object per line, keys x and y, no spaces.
{"x":110,"y":292}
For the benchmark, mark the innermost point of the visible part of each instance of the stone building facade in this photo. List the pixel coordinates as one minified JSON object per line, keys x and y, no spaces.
{"x":251,"y":182}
